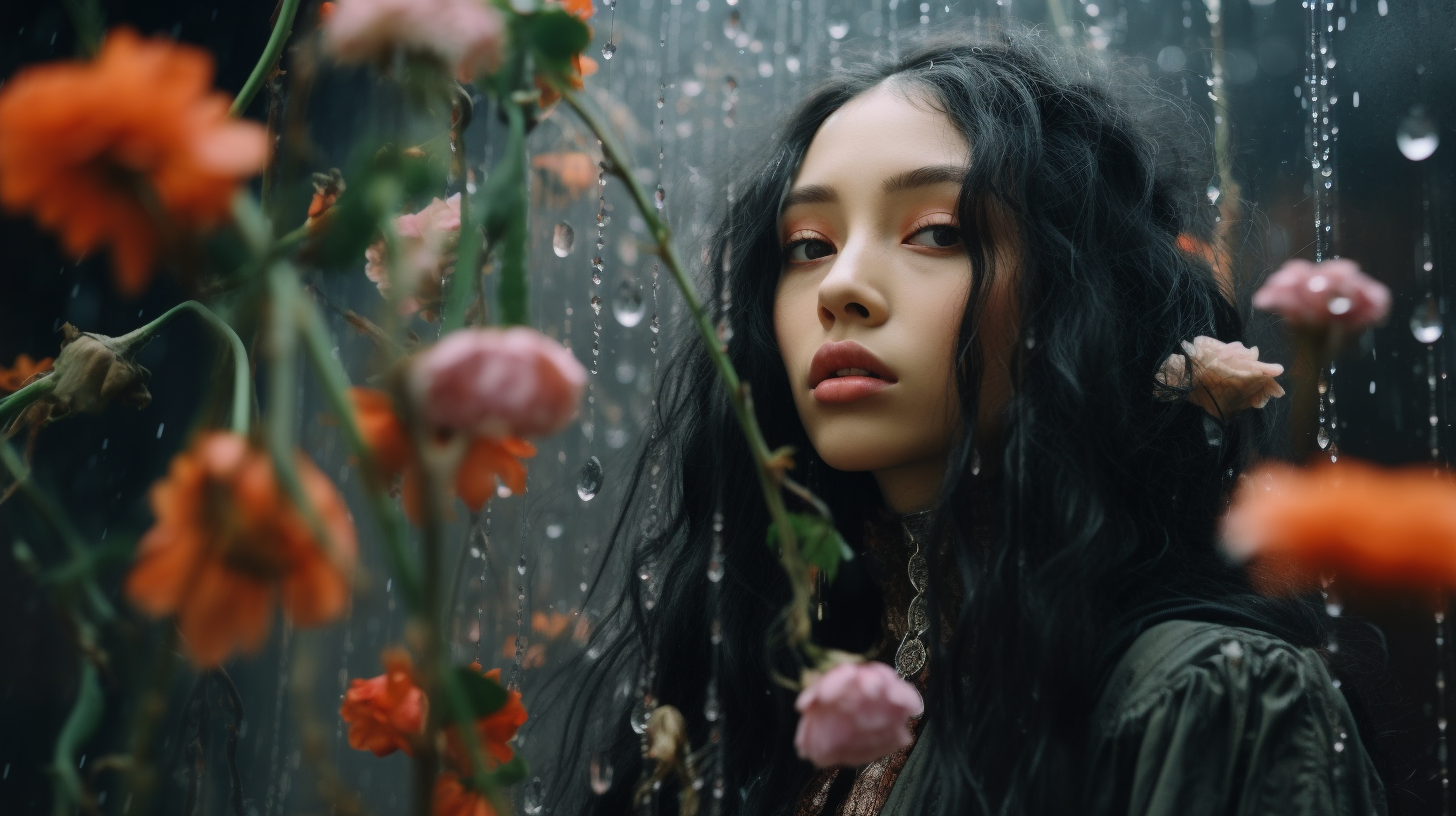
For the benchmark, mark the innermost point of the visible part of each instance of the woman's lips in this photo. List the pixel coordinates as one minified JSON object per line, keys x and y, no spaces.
{"x":845,"y":371}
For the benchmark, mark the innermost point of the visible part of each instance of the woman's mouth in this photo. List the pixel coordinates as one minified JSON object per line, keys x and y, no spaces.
{"x":845,"y":371}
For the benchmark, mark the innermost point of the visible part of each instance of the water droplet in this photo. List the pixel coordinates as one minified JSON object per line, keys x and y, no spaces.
{"x":601,"y":774}
{"x":1417,"y":136}
{"x":596,"y":304}
{"x":838,"y":29}
{"x":562,"y":239}
{"x":521,"y":565}
{"x":659,"y":197}
{"x":608,"y":50}
{"x":1213,"y":194}
{"x":975,"y":462}
{"x":1212,"y":431}
{"x":590,"y":480}
{"x":1426,"y":322}
{"x":531,"y":796}
{"x":712,"y":710}
{"x":1327,"y":171}
{"x":1323,"y":438}
{"x":628,"y":305}
{"x":1339,"y":305}
{"x":1333,"y":609}
{"x":715,"y":569}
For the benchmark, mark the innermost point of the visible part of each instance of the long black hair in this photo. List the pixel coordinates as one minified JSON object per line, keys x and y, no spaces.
{"x":1107,"y":497}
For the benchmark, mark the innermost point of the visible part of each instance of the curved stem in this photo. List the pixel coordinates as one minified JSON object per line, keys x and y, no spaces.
{"x":242,"y":397}
{"x":20,"y":400}
{"x":271,"y":51}
{"x":738,"y":391}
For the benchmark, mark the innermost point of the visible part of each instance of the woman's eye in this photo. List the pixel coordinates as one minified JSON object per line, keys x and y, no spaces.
{"x":808,"y":249}
{"x":937,"y":236}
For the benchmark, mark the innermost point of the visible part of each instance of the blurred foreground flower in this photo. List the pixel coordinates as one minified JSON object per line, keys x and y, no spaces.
{"x":855,"y":713}
{"x":132,"y":150}
{"x":582,"y":66}
{"x":227,"y":541}
{"x":483,"y":460}
{"x":495,"y":730}
{"x":454,"y":799}
{"x":427,"y":243}
{"x":1333,"y":293}
{"x":494,"y":382}
{"x":1375,"y":526}
{"x":1225,"y":378}
{"x":386,"y":713}
{"x":20,"y":371}
{"x":463,"y":34}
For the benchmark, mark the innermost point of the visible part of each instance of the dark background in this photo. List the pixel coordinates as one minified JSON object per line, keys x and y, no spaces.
{"x":100,"y":467}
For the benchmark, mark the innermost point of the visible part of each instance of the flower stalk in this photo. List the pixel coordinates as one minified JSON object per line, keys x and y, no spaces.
{"x":271,"y":52}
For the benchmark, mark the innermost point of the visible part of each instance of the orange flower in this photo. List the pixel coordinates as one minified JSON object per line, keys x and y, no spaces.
{"x":227,"y":541}
{"x":484,"y":461}
{"x":15,"y":377}
{"x":1373,"y":525}
{"x":582,"y":67}
{"x":100,"y":151}
{"x":386,"y":713}
{"x":454,"y":799}
{"x":581,"y":8}
{"x":496,"y":731}
{"x":573,"y":170}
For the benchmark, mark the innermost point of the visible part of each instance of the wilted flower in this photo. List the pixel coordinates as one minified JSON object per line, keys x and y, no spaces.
{"x":495,"y":382}
{"x":1376,"y":526}
{"x":99,"y":151}
{"x":386,"y":713}
{"x":95,"y":370}
{"x":1332,"y":293}
{"x":427,"y":243}
{"x":1226,"y":377}
{"x":484,"y":459}
{"x":463,"y":34}
{"x":227,"y":541}
{"x":855,"y":713}
{"x":20,"y":371}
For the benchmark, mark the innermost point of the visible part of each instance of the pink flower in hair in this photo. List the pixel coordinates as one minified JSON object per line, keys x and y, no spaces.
{"x":1332,"y":293}
{"x":464,"y":34}
{"x":498,"y":382}
{"x":855,"y":713}
{"x":1226,"y":377}
{"x":427,"y":243}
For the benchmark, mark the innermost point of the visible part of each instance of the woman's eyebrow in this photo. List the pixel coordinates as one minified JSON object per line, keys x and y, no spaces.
{"x":927,"y":176}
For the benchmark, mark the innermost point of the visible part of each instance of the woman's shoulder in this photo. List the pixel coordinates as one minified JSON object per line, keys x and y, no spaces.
{"x":1199,"y":717}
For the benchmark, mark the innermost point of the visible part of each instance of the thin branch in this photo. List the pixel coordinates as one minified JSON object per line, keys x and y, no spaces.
{"x":268,"y":60}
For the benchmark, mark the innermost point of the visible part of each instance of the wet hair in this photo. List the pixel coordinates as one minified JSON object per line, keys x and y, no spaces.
{"x":1107,"y":499}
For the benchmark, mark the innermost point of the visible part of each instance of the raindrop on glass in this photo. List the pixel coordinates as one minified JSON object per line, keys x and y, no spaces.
{"x":562,"y":239}
{"x":531,"y":797}
{"x":838,"y":29}
{"x":628,"y":305}
{"x":715,"y":569}
{"x":1323,"y":438}
{"x":590,"y":480}
{"x":596,"y":304}
{"x":1213,"y":194}
{"x":601,"y":774}
{"x":1417,"y":137}
{"x":1426,"y":322}
{"x":659,"y":197}
{"x":608,"y":50}
{"x":521,"y":565}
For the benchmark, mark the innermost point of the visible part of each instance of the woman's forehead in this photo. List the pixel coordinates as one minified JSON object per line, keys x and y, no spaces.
{"x":884,"y":131}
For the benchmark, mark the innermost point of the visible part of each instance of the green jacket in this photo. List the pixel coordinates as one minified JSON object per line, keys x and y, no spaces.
{"x":1198,"y":718}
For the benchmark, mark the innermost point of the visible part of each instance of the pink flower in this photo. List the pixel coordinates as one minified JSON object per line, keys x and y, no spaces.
{"x":494,"y":382}
{"x":1331,"y":293}
{"x":465,"y":34}
{"x":1227,"y":377}
{"x":854,"y":714}
{"x":427,"y":243}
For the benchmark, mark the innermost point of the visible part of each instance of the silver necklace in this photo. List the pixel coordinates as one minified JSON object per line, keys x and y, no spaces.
{"x":910,"y":657}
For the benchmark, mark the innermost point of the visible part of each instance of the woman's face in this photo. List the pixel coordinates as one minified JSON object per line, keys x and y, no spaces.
{"x":873,"y":287}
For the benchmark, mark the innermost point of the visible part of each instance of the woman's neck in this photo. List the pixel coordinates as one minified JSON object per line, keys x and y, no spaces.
{"x":913,"y":486}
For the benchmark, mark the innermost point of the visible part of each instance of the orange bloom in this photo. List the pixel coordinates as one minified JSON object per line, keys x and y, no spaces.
{"x":454,"y":799}
{"x":485,"y":460}
{"x":1376,"y":526}
{"x":386,"y":713}
{"x":581,"y":8}
{"x":99,"y":151}
{"x":574,"y":170}
{"x":227,"y":541}
{"x":15,"y":377}
{"x":496,"y":731}
{"x":582,"y":67}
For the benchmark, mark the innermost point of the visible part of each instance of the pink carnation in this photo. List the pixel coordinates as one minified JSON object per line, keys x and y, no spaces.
{"x":854,"y":714}
{"x":494,"y":382}
{"x":465,"y":34}
{"x":1227,"y":377}
{"x":1330,"y":293}
{"x":427,"y":243}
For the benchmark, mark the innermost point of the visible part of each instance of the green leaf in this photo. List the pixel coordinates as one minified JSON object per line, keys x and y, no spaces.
{"x":510,"y":773}
{"x":554,"y":36}
{"x":820,"y":544}
{"x":486,"y":695}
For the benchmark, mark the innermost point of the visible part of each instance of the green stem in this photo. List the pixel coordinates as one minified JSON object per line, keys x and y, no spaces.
{"x":85,"y":715}
{"x":271,"y":52}
{"x":242,"y":396}
{"x":335,"y":385}
{"x":467,"y":272}
{"x":738,"y":391}
{"x":20,"y":400}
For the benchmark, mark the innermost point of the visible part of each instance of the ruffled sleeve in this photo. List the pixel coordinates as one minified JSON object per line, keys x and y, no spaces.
{"x":1205,"y":719}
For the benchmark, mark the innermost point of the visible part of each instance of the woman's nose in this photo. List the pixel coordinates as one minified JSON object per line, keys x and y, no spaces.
{"x":849,"y":290}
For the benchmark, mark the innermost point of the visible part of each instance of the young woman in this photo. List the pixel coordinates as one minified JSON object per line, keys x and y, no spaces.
{"x":953,"y":279}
